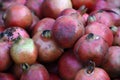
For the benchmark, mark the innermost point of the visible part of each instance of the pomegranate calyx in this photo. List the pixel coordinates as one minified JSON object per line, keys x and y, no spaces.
{"x":90,"y":67}
{"x":46,"y":34}
{"x":90,"y":36}
{"x":114,"y":28}
{"x":83,"y":9}
{"x":25,"y":67}
{"x":91,"y":18}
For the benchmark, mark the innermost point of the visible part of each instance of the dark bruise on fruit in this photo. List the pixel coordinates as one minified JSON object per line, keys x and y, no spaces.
{"x":66,"y":30}
{"x":8,"y":34}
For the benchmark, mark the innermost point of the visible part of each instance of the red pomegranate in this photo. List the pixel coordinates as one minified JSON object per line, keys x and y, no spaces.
{"x":91,"y":47}
{"x":67,"y":29}
{"x":101,"y":16}
{"x":35,"y":72}
{"x":48,"y":50}
{"x":17,"y":15}
{"x":5,"y":59}
{"x":52,"y":8}
{"x":43,"y":24}
{"x":101,"y":30}
{"x":88,"y":3}
{"x":92,"y":73}
{"x":68,"y":65}
{"x":112,"y":61}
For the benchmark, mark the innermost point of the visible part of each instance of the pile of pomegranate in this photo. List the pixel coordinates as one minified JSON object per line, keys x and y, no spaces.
{"x":59,"y":39}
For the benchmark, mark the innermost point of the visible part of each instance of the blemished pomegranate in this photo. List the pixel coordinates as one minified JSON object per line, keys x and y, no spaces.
{"x":67,"y":29}
{"x":17,"y":15}
{"x":11,"y":34}
{"x":43,"y":24}
{"x":24,"y":51}
{"x":7,"y":76}
{"x":48,"y":50}
{"x":91,"y":47}
{"x":92,"y":73}
{"x":101,"y":30}
{"x":68,"y":65}
{"x":52,"y":8}
{"x":35,"y":72}
{"x":5,"y":59}
{"x":112,"y":61}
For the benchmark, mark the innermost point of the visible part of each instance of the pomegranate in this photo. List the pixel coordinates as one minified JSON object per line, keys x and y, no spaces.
{"x":101,"y":16}
{"x":5,"y":59}
{"x":35,"y":72}
{"x":88,"y":3}
{"x":24,"y":51}
{"x":92,"y":73}
{"x":91,"y":47}
{"x":11,"y":34}
{"x":101,"y":30}
{"x":43,"y":24}
{"x":68,"y":65}
{"x":112,"y":61}
{"x":17,"y":15}
{"x":52,"y":8}
{"x":35,"y":6}
{"x":6,"y":76}
{"x":71,"y":11}
{"x":67,"y":29}
{"x":48,"y":50}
